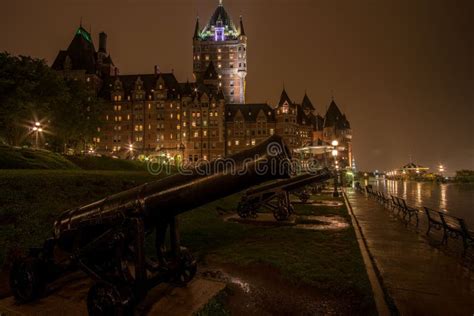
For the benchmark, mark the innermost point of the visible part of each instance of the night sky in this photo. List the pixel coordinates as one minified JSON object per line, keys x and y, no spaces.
{"x":401,"y":70}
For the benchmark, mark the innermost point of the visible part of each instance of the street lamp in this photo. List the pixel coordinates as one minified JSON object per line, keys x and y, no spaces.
{"x":37,"y":129}
{"x":334,"y":143}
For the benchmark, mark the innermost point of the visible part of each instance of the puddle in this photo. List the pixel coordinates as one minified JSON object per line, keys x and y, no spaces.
{"x":321,"y":223}
{"x":260,"y":290}
{"x":320,"y":203}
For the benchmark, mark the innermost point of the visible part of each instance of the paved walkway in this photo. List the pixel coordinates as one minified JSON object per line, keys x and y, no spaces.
{"x":420,"y":279}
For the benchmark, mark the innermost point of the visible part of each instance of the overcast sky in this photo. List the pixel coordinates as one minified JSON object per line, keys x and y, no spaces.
{"x":401,"y":70}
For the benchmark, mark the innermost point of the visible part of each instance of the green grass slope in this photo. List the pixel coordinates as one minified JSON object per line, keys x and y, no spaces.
{"x":25,"y":158}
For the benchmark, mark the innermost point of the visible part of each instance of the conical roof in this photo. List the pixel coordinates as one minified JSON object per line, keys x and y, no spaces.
{"x":284,"y":97}
{"x":333,"y":115}
{"x":307,"y":104}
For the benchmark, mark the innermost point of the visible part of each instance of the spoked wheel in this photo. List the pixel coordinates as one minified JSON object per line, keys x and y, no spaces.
{"x":27,"y":279}
{"x":304,"y":196}
{"x":186,"y":269}
{"x":283,"y":210}
{"x":246,"y":210}
{"x":107,"y":299}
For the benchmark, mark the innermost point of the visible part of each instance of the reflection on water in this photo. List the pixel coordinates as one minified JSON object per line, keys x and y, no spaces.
{"x":419,"y":200}
{"x":456,"y":198}
{"x":442,"y":199}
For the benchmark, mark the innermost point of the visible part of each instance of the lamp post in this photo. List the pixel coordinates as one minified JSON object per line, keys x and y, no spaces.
{"x":334,"y":144}
{"x":37,"y":129}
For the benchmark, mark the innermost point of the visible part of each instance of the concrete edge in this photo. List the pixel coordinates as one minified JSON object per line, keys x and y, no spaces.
{"x":383,"y":302}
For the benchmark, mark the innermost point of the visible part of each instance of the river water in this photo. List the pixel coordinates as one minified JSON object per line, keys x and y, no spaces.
{"x":456,"y":199}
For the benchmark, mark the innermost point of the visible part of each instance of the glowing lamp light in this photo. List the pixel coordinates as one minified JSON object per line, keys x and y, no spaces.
{"x":37,"y":124}
{"x":40,"y":129}
{"x":35,"y":128}
{"x":334,"y":143}
{"x":334,"y":152}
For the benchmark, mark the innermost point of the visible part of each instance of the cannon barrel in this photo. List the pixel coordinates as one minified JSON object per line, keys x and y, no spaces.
{"x":182,"y":192}
{"x":293,"y":182}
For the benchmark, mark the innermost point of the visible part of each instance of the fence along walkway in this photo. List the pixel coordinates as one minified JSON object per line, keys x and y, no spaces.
{"x":420,"y":279}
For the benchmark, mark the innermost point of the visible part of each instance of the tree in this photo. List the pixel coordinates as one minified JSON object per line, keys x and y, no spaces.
{"x":77,"y":120}
{"x":28,"y":91}
{"x":31,"y":91}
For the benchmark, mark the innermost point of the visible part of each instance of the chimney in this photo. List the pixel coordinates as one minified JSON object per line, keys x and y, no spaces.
{"x":157,"y":70}
{"x":116,"y":71}
{"x":102,"y":42}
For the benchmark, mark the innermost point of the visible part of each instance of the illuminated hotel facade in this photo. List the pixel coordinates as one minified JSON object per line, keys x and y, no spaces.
{"x":156,"y":115}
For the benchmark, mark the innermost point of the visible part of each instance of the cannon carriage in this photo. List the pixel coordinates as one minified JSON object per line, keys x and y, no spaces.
{"x":275,"y":196}
{"x":106,"y":239}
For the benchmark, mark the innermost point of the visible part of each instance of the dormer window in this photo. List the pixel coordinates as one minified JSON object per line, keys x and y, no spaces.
{"x":219,"y":34}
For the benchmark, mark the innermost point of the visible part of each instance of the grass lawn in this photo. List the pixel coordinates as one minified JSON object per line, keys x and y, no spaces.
{"x":328,"y":260}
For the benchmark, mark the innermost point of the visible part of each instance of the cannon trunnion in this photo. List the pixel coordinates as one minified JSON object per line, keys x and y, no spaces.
{"x":106,"y":239}
{"x":275,"y":196}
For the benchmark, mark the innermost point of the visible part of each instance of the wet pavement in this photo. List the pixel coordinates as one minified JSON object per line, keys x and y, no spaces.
{"x":421,"y":279}
{"x":69,"y":298}
{"x":308,"y":222}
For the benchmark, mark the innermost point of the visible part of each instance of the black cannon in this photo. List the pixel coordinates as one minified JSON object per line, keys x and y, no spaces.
{"x":275,"y":196}
{"x":106,"y":238}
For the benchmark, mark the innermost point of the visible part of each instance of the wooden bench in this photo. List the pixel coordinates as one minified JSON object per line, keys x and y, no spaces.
{"x":408,"y":211}
{"x":434,"y":220}
{"x":395,"y":203}
{"x":384,"y":199}
{"x":452,"y":226}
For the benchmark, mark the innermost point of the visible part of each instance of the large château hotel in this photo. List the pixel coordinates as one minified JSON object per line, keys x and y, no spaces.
{"x":155,"y":114}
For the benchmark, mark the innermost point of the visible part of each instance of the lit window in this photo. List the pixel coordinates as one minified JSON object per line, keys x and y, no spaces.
{"x":253,"y":142}
{"x":171,"y":115}
{"x":219,"y":66}
{"x":219,"y":50}
{"x":196,"y":134}
{"x":231,"y":56}
{"x":219,"y":57}
{"x":207,"y":57}
{"x":204,"y":133}
{"x":237,"y":143}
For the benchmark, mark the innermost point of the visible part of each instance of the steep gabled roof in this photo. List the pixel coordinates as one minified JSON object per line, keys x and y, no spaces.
{"x":249,"y":112}
{"x":306,"y":103}
{"x":148,"y":84}
{"x":81,"y":53}
{"x":284,"y":97}
{"x":220,"y":18}
{"x":333,"y":115}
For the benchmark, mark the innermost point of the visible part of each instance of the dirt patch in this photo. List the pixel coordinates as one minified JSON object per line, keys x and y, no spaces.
{"x":262,"y":290}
